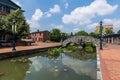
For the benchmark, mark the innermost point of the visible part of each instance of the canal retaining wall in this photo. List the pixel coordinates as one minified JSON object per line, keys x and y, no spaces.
{"x":23,"y":52}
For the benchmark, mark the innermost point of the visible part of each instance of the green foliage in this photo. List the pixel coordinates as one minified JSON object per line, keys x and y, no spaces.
{"x":72,"y":48}
{"x":64,"y":35}
{"x":118,"y":32}
{"x":55,"y":35}
{"x":109,"y":31}
{"x":22,"y":28}
{"x":81,"y":33}
{"x":94,"y":35}
{"x":54,"y":51}
{"x":89,"y":49}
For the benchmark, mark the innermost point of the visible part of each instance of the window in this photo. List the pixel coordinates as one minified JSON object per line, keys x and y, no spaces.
{"x":2,"y":37}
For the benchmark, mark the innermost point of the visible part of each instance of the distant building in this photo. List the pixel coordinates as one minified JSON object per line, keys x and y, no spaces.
{"x":40,"y":36}
{"x":6,"y":7}
{"x":105,"y":28}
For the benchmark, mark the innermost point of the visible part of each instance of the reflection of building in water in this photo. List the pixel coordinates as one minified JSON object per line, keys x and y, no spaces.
{"x":105,"y":28}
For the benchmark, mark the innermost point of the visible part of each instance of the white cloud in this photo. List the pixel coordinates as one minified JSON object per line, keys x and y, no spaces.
{"x":37,"y":15}
{"x":92,"y":25}
{"x":33,"y":24}
{"x":76,"y":29}
{"x":55,"y":9}
{"x":34,"y":21}
{"x":57,"y":26}
{"x":18,"y":3}
{"x":115,"y":22}
{"x":66,"y":5}
{"x":83,"y":15}
{"x":48,"y":14}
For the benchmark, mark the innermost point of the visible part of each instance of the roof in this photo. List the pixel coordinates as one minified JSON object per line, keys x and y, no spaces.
{"x":39,"y":32}
{"x":9,"y":3}
{"x":112,"y":35}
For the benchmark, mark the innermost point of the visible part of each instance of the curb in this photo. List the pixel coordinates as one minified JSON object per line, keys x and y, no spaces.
{"x":99,"y":70}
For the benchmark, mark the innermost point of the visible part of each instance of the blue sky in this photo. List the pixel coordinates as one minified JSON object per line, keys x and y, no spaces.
{"x":70,"y":15}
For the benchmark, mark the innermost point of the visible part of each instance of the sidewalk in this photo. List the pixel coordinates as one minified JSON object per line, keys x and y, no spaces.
{"x":110,"y":62}
{"x":20,"y":48}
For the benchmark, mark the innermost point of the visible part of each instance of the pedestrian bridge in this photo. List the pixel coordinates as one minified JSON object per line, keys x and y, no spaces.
{"x":79,"y":39}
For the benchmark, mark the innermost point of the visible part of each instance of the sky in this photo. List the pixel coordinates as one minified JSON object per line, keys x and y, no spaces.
{"x":70,"y":15}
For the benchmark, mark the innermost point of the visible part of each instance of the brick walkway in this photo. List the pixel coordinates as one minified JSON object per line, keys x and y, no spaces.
{"x":34,"y":46}
{"x":110,"y":62}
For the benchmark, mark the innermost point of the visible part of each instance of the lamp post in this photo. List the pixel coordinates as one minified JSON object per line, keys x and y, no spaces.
{"x":101,"y":28}
{"x":61,"y":38}
{"x":13,"y":47}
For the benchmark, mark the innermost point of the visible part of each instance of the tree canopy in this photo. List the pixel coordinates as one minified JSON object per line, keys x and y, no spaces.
{"x":81,"y":33}
{"x":22,"y":28}
{"x":109,"y":31}
{"x":118,"y":32}
{"x":55,"y":35}
{"x":93,"y":34}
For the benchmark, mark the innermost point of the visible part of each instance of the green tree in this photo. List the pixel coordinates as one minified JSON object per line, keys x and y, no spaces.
{"x":81,"y":33}
{"x":22,"y":28}
{"x":3,"y":24}
{"x":55,"y":35}
{"x":94,"y":35}
{"x":118,"y":32}
{"x":64,"y":35}
{"x":109,"y":31}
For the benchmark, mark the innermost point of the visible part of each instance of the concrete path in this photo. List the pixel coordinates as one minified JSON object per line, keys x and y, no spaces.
{"x":110,"y":62}
{"x":34,"y":46}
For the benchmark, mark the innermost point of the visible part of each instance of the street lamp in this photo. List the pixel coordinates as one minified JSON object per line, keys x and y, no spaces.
{"x":101,"y":28}
{"x":13,"y":45}
{"x":61,"y":38}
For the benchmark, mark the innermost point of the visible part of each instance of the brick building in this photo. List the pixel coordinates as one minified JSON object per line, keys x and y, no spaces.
{"x":6,"y":7}
{"x":40,"y":36}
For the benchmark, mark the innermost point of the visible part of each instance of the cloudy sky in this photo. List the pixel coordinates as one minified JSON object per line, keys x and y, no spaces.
{"x":70,"y":15}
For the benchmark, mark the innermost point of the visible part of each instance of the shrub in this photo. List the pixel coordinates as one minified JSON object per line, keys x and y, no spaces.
{"x":89,"y":49}
{"x":72,"y":47}
{"x":55,"y":51}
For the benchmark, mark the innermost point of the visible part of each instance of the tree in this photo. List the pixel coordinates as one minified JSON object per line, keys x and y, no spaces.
{"x":55,"y":35}
{"x":94,"y":35}
{"x":81,"y":33}
{"x":3,"y":24}
{"x":64,"y":35}
{"x":109,"y":31}
{"x":22,"y":28}
{"x":118,"y":32}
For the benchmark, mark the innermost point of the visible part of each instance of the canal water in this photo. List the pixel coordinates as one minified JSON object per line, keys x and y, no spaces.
{"x":42,"y":67}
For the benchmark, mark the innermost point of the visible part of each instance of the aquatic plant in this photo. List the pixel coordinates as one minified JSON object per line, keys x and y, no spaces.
{"x":89,"y":49}
{"x":54,"y":51}
{"x":72,"y":48}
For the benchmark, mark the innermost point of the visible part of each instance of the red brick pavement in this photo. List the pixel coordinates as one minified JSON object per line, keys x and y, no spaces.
{"x":110,"y":62}
{"x":35,"y":46}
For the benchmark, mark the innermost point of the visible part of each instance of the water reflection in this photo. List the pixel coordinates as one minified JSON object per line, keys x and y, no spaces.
{"x":42,"y":67}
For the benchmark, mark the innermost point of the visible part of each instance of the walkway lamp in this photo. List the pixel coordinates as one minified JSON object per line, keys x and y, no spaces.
{"x":13,"y":31}
{"x":101,"y":29}
{"x":61,"y":38}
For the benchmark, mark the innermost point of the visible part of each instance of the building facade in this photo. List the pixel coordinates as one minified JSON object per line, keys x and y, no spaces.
{"x":40,"y":36}
{"x":112,"y":39}
{"x":6,"y":7}
{"x":105,"y":28}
